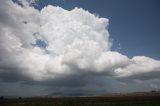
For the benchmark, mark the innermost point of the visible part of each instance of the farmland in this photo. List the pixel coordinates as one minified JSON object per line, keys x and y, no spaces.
{"x":106,"y":100}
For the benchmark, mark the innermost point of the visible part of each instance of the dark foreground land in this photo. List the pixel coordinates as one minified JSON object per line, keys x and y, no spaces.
{"x":107,"y":100}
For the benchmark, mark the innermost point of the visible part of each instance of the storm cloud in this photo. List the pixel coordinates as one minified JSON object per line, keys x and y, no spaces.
{"x":63,"y":48}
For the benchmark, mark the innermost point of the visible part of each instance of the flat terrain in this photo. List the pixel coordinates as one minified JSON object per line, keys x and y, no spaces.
{"x":139,"y":99}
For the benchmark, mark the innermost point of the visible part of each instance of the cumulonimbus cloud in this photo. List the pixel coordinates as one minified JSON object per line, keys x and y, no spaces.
{"x":54,"y":42}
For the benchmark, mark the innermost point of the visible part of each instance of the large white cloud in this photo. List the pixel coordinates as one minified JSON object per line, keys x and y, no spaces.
{"x":76,"y":42}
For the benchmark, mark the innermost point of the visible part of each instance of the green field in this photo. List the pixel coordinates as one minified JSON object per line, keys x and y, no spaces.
{"x":85,"y":101}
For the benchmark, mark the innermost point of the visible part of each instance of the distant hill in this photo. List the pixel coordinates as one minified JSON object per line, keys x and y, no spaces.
{"x":150,"y":93}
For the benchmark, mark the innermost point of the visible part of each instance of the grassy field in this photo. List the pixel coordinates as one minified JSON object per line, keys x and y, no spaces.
{"x":142,"y":103}
{"x":112,"y":100}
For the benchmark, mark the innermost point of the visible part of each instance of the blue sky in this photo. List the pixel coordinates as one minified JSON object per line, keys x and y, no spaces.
{"x":134,"y":24}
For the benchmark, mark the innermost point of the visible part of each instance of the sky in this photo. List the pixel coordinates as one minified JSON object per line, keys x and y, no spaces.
{"x":79,"y":47}
{"x":130,"y":22}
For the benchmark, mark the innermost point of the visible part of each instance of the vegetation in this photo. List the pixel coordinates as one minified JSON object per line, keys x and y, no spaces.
{"x":142,"y":103}
{"x":135,"y":99}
